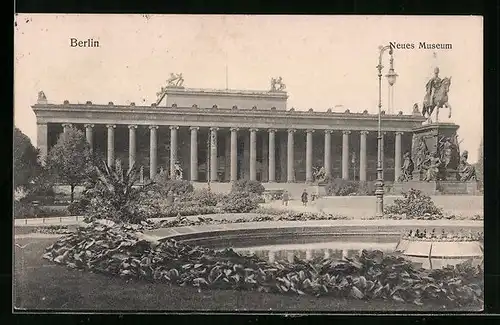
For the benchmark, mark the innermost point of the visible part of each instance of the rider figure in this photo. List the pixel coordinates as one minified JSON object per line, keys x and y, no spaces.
{"x":433,"y":84}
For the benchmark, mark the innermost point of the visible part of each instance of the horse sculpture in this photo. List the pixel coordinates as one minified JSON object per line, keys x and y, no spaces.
{"x":436,"y":98}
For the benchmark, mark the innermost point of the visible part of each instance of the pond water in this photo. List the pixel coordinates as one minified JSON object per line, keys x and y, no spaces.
{"x":305,"y":247}
{"x":287,"y":247}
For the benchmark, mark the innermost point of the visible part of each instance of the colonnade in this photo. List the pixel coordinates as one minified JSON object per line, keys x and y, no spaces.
{"x":270,"y":151}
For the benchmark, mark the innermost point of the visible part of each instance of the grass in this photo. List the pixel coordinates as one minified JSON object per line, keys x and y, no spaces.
{"x":39,"y":284}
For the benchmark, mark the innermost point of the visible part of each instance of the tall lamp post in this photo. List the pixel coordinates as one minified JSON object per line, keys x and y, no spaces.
{"x":391,"y":78}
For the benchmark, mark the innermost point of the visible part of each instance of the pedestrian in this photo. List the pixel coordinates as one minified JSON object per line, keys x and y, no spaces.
{"x":304,"y":197}
{"x":285,"y":197}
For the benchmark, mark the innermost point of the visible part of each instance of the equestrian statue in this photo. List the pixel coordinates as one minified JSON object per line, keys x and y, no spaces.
{"x":436,"y":96}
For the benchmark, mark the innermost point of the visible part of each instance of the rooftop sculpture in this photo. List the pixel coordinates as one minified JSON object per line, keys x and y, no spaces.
{"x":277,"y":84}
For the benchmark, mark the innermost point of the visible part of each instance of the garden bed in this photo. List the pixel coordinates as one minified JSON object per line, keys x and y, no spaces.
{"x":120,"y":251}
{"x":42,"y":285}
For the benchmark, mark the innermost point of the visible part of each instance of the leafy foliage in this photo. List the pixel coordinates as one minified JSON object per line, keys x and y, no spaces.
{"x":255,"y":187}
{"x":365,"y":188}
{"x":114,"y":195}
{"x":41,"y":188}
{"x":176,"y":186}
{"x":414,"y":204}
{"x":341,"y":187}
{"x":70,"y":160}
{"x":121,"y":251}
{"x":25,"y":209}
{"x":240,"y":202}
{"x":204,"y":197}
{"x":26,"y":164}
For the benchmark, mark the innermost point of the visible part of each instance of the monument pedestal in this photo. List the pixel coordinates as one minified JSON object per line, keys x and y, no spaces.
{"x":444,"y":187}
{"x":318,"y":190}
{"x":430,"y":141}
{"x":428,"y":188}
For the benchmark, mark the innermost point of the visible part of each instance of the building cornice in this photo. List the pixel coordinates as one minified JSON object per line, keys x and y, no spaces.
{"x":189,"y":116}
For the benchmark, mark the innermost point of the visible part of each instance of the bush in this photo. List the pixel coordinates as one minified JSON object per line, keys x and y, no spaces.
{"x":25,"y":209}
{"x":341,"y":187}
{"x":187,"y":210}
{"x":204,"y":197}
{"x":240,"y":202}
{"x":178,"y":187}
{"x":78,"y":208}
{"x":248,"y":186}
{"x":47,"y":212}
{"x":366,"y":188}
{"x":414,"y":204}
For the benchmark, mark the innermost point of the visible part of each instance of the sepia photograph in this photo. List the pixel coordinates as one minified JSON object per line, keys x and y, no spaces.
{"x":248,"y":163}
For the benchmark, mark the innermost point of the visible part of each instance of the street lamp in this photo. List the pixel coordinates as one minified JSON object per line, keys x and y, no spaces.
{"x":391,"y":77}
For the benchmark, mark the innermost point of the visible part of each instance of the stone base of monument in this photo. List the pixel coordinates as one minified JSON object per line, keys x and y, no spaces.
{"x":317,"y":190}
{"x":437,"y":187}
{"x":429,"y":188}
{"x":435,"y":254}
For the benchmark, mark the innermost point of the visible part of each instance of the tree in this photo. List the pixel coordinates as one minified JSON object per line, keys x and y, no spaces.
{"x":70,"y":160}
{"x":26,"y":163}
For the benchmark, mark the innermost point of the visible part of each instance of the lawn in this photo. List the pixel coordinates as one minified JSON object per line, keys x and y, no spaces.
{"x":39,"y":284}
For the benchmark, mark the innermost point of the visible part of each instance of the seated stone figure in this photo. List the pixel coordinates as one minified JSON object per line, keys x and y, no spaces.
{"x":466,"y":171}
{"x":432,"y":170}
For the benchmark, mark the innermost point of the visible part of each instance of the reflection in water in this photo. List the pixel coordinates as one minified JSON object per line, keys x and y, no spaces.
{"x":311,"y":247}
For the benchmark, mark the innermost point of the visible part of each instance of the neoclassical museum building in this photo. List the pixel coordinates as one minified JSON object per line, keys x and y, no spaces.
{"x":226,"y":135}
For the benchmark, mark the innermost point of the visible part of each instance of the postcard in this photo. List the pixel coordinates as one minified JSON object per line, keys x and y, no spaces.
{"x":204,"y":163}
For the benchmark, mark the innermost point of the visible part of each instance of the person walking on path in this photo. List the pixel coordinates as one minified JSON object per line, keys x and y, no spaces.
{"x":304,"y":197}
{"x":285,"y":197}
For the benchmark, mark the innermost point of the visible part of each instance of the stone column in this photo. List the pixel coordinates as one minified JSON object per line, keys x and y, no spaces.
{"x":173,"y":149}
{"x":345,"y":154}
{"x":153,"y":150}
{"x":131,"y":146}
{"x":264,"y":165}
{"x":328,"y":153}
{"x":213,"y":154}
{"x":111,"y":144}
{"x":227,"y":157}
{"x":272,"y":155}
{"x":290,"y":157}
{"x":309,"y":155}
{"x":194,"y":153}
{"x":253,"y":154}
{"x":397,"y":156}
{"x":234,"y":154}
{"x":42,"y":140}
{"x":88,"y":135}
{"x":66,"y":126}
{"x":362,"y":156}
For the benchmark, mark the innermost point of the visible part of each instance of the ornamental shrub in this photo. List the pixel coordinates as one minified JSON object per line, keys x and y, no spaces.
{"x":255,"y":187}
{"x":179,"y":187}
{"x":114,"y":195}
{"x":414,"y":204}
{"x":204,"y":197}
{"x":366,"y":188}
{"x":25,"y":209}
{"x":240,"y":202}
{"x":341,"y":187}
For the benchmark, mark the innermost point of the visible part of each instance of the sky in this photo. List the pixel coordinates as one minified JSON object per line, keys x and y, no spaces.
{"x":324,"y":61}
